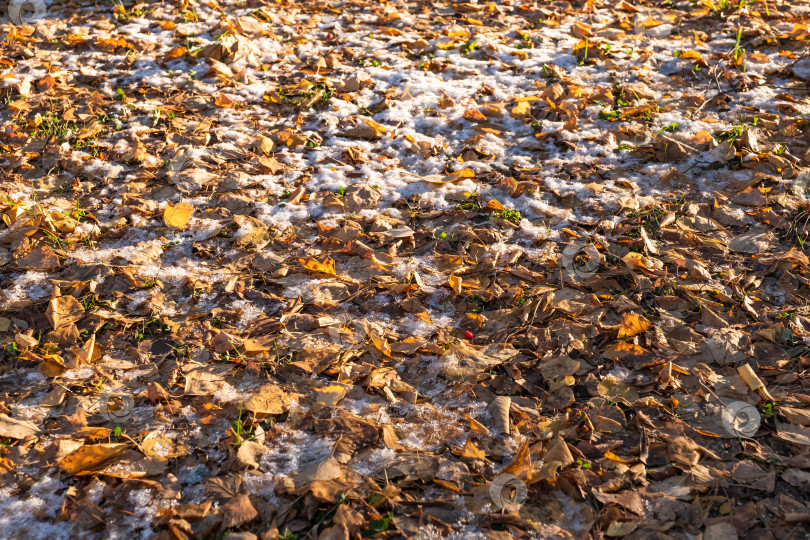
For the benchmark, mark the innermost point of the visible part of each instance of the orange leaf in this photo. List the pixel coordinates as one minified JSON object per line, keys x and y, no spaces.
{"x":447,"y":485}
{"x":521,"y":464}
{"x":327,"y":266}
{"x":632,"y":324}
{"x":90,"y":458}
{"x":613,"y":457}
{"x":581,"y":30}
{"x":476,"y":426}
{"x":471,"y":451}
{"x":375,"y":126}
{"x":472,"y":114}
{"x":494,"y":205}
{"x":223,"y":101}
{"x":455,"y":284}
{"x":620,"y":349}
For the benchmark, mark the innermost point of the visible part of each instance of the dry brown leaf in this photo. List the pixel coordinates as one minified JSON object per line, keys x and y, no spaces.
{"x":267,"y":400}
{"x":157,"y":446}
{"x":521,"y":464}
{"x":91,"y":458}
{"x":250,"y":453}
{"x":238,"y":511}
{"x":16,"y":429}
{"x":64,"y":310}
{"x":328,"y":469}
{"x":499,"y":411}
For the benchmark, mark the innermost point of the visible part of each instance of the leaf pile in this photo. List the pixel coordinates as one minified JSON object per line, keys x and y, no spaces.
{"x":327,"y":269}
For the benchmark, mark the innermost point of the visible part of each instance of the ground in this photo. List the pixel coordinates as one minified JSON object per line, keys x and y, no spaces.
{"x":405,"y":269}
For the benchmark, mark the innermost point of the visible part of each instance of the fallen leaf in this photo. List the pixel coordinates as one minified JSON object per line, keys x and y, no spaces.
{"x":328,"y":469}
{"x":91,"y":458}
{"x":13,"y":428}
{"x":177,"y":216}
{"x":632,"y":324}
{"x":326,"y":267}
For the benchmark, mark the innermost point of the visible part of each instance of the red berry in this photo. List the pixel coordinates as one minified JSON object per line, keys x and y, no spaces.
{"x":468,"y":334}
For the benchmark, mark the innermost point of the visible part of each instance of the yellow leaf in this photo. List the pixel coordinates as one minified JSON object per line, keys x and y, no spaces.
{"x":296,"y":140}
{"x":522,"y":109}
{"x":798,"y":32}
{"x":327,"y":266}
{"x":178,"y":216}
{"x":690,"y":54}
{"x":445,"y":44}
{"x":290,"y":139}
{"x":390,"y":437}
{"x":457,"y":32}
{"x":455,"y":284}
{"x":471,"y":451}
{"x":375,"y":126}
{"x":492,"y":111}
{"x":175,"y":53}
{"x":561,"y":382}
{"x":637,"y":261}
{"x":266,"y":145}
{"x":750,"y":378}
{"x":632,"y":324}
{"x":329,"y":396}
{"x":463,"y":174}
{"x":613,"y":457}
